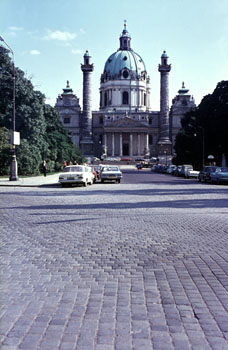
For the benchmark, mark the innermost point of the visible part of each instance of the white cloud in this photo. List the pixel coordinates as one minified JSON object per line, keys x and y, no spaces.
{"x":77,"y":52}
{"x":50,"y":101}
{"x":15,"y":29}
{"x":34,"y":52}
{"x":59,"y":35}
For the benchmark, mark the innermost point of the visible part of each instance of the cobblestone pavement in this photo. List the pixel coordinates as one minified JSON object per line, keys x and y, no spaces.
{"x":140,"y":265}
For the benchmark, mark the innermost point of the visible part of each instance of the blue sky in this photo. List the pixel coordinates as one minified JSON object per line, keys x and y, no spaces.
{"x":49,"y":38}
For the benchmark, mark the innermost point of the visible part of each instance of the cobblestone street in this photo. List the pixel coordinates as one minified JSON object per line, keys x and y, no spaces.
{"x":141,"y":265}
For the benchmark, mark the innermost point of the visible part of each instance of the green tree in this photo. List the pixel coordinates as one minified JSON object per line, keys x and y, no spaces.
{"x":4,"y":150}
{"x":41,"y":131}
{"x":204,"y":130}
{"x":60,"y":144}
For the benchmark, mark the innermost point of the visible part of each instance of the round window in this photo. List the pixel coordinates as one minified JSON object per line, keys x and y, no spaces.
{"x":125,"y":74}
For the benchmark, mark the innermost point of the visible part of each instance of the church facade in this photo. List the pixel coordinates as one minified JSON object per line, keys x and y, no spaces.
{"x":125,"y":125}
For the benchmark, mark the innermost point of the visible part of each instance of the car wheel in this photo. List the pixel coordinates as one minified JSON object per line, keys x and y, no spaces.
{"x":199,"y":179}
{"x":63,"y":185}
{"x":217,"y":182}
{"x":118,"y":181}
{"x":102,"y":181}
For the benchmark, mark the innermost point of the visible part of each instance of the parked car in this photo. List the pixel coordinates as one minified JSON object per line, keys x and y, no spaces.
{"x":146,"y":163}
{"x":76,"y":174}
{"x":219,"y":175}
{"x":111,"y":173}
{"x":185,"y":168}
{"x":126,"y":159}
{"x":170,"y":168}
{"x":139,"y":166}
{"x":205,"y":173}
{"x":154,"y":168}
{"x":178,"y":170}
{"x":173,"y":170}
{"x":192,"y":173}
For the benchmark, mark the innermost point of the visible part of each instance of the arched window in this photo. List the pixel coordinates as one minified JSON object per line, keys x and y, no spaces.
{"x":105,"y":99}
{"x":125,"y":74}
{"x":125,"y":98}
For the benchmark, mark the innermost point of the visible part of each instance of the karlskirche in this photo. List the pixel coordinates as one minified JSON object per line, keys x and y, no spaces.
{"x":125,"y":126}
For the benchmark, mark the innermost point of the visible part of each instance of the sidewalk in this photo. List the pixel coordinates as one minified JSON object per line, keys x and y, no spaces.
{"x":34,"y":181}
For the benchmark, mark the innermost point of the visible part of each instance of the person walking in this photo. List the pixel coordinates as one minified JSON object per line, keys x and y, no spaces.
{"x":44,"y":167}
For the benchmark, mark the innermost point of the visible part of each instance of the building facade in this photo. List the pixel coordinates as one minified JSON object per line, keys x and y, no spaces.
{"x":125,"y":125}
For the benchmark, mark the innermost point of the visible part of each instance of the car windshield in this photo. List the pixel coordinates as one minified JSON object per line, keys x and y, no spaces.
{"x":71,"y":169}
{"x":110,"y":168}
{"x":211,"y":168}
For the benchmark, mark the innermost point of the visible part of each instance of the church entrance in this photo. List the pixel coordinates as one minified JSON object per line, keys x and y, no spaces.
{"x":125,"y":149}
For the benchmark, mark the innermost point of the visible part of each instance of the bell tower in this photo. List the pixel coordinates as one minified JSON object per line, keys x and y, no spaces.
{"x":86,"y":141}
{"x":164,"y":142}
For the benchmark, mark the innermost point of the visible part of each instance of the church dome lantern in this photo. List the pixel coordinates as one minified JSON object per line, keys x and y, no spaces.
{"x":124,"y":75}
{"x":124,"y":63}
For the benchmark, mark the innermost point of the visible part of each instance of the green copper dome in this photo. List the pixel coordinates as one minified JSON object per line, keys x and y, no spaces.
{"x":124,"y":59}
{"x":125,"y":62}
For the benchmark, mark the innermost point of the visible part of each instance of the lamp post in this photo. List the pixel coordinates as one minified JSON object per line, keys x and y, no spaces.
{"x":14,"y":135}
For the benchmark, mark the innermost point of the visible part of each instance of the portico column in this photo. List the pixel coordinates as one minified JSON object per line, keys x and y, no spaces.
{"x":147,"y":144}
{"x":139,"y":141}
{"x":121,"y":144}
{"x":131,"y":145}
{"x":105,"y":144}
{"x":113,"y":145}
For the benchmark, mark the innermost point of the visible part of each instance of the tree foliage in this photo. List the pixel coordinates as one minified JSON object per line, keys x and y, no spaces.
{"x":41,"y":131}
{"x":204,"y":130}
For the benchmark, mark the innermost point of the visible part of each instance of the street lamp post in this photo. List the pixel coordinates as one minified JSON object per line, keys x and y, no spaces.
{"x":14,"y":135}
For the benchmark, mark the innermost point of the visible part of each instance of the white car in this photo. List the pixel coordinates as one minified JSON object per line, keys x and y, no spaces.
{"x":170,"y":168}
{"x":76,"y":174}
{"x":191,"y":173}
{"x":111,"y":173}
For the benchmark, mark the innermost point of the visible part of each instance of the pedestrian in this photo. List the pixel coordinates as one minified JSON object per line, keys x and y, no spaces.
{"x":44,"y":167}
{"x":64,"y":164}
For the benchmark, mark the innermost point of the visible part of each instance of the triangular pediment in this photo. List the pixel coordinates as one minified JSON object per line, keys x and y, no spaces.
{"x":126,"y":122}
